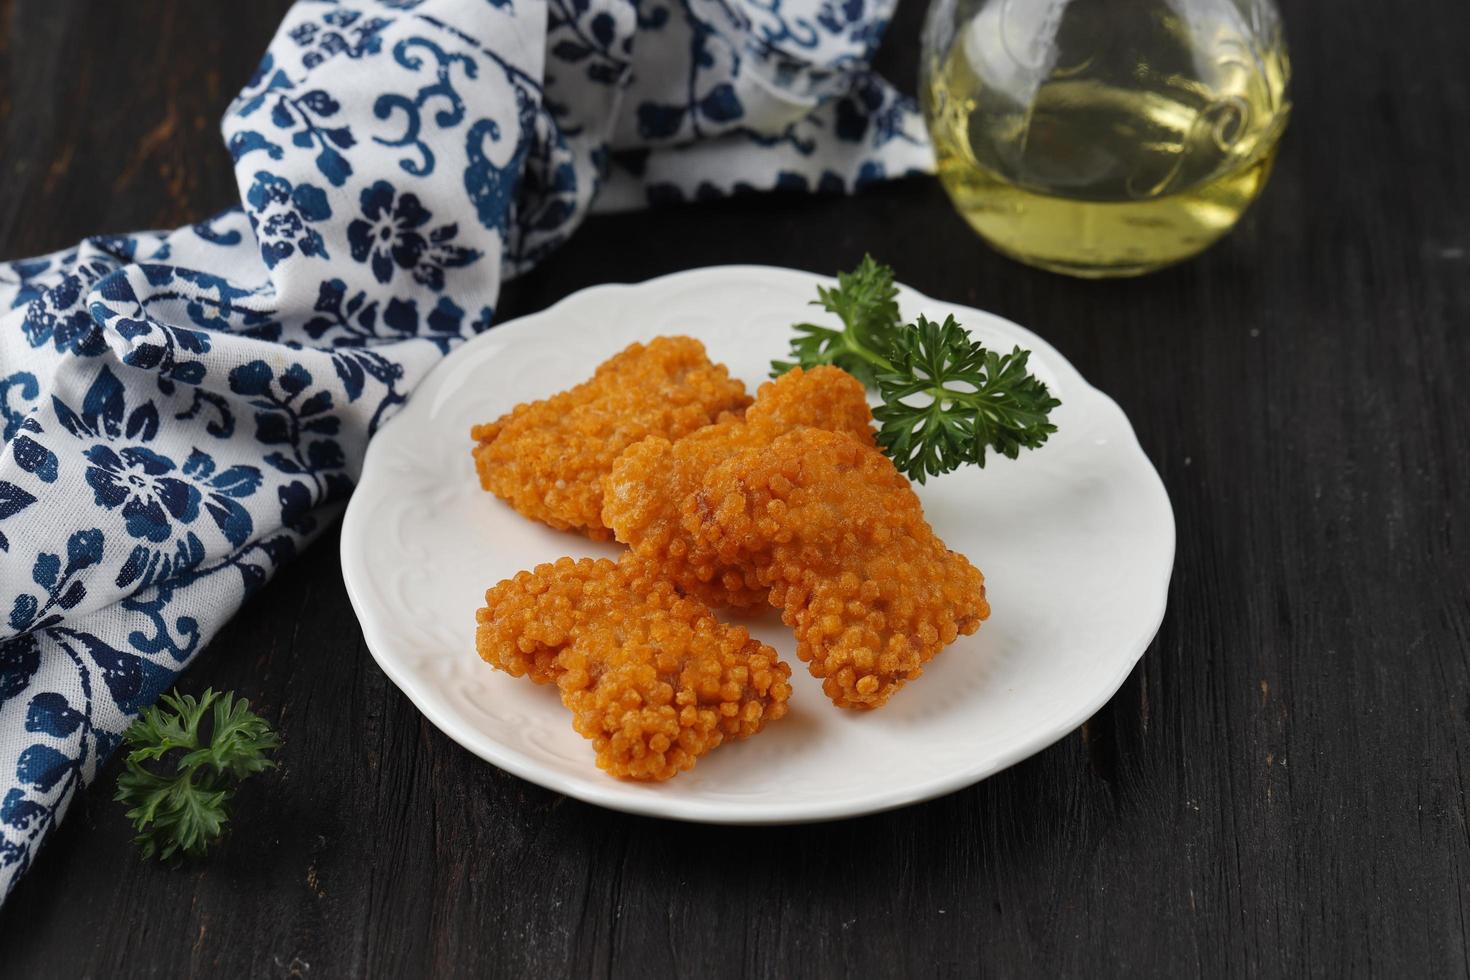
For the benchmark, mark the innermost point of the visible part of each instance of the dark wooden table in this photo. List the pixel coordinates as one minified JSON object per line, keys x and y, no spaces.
{"x":1278,"y":789}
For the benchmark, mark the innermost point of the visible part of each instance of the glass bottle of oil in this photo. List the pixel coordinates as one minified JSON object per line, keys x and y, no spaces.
{"x":1103,"y":137}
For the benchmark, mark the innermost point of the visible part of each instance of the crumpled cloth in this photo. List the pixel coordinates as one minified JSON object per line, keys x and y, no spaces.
{"x":182,"y":411}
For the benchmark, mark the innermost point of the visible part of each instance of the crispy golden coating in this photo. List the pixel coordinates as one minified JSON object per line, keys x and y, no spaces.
{"x":824,"y":397}
{"x":839,"y":537}
{"x":650,"y":676}
{"x":647,"y":499}
{"x":547,"y":459}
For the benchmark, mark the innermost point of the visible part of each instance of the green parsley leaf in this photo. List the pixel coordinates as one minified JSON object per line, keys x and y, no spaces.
{"x":947,"y":400}
{"x":181,"y":808}
{"x":866,"y":301}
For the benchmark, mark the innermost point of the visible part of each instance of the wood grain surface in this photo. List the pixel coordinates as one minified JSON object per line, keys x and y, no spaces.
{"x":1279,"y":789}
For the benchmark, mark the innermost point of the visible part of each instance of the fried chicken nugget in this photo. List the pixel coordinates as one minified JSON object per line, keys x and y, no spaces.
{"x":650,"y":676}
{"x":547,"y":459}
{"x":839,"y":538}
{"x":645,"y":495}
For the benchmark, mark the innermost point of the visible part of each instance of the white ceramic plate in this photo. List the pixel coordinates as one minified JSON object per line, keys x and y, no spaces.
{"x":1076,"y":541}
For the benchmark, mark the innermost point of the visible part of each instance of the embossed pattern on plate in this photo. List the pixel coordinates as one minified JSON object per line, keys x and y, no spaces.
{"x":1076,"y":542}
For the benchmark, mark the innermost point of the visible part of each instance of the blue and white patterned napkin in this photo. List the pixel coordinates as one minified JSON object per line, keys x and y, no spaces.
{"x":183,"y":411}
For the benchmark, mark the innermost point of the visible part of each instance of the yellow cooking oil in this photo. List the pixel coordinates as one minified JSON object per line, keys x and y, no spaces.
{"x":1106,"y":155}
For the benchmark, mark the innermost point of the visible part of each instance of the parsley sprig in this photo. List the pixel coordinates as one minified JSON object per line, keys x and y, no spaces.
{"x":947,"y":400}
{"x":866,"y":301}
{"x":182,"y":809}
